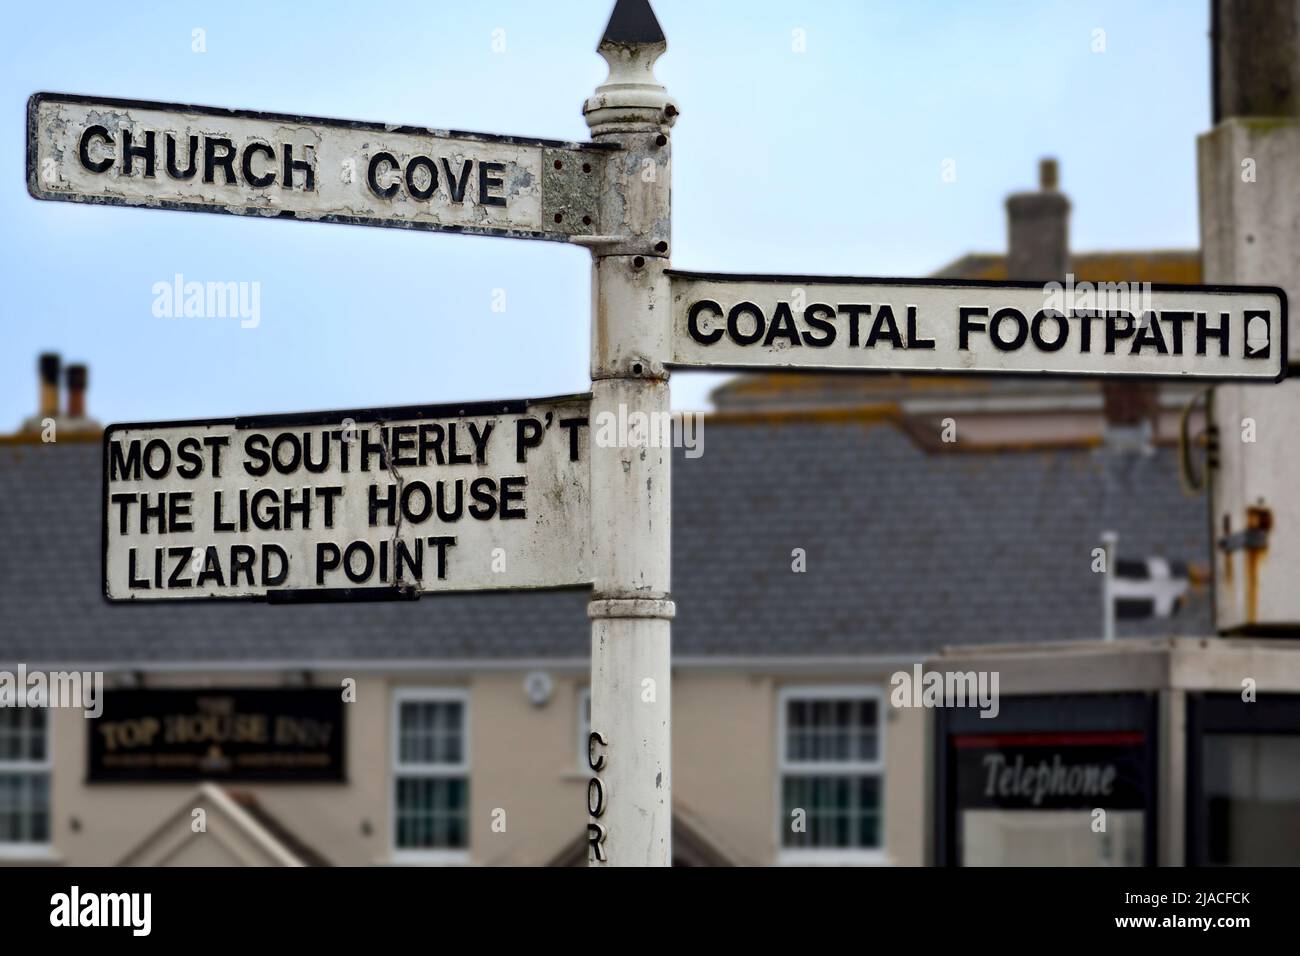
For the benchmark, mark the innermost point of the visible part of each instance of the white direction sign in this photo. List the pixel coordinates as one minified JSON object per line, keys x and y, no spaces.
{"x":942,"y":325}
{"x":382,"y":503}
{"x":202,"y":159}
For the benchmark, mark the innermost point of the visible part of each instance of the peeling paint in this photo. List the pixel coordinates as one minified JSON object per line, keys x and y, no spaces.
{"x":400,"y":177}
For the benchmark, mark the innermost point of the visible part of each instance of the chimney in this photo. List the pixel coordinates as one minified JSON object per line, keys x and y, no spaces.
{"x":48,"y":401}
{"x":1038,"y":227}
{"x":1129,"y":404}
{"x":77,"y":376}
{"x":70,"y":419}
{"x":1131,"y":412}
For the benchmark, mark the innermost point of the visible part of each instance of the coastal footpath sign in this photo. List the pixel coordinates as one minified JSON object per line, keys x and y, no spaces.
{"x":373,"y":504}
{"x":942,"y":325}
{"x":202,"y":159}
{"x":401,"y":502}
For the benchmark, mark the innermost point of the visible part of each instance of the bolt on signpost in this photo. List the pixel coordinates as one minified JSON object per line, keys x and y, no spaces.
{"x":368,"y":517}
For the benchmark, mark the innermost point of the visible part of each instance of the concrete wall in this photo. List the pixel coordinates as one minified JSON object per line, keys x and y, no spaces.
{"x":524,"y":760}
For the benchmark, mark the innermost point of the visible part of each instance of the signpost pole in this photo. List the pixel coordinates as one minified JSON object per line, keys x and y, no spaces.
{"x":629,"y":795}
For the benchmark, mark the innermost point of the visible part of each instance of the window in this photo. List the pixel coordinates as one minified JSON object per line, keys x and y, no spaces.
{"x":1243,"y":796}
{"x":24,"y":778}
{"x":831,"y":772}
{"x":431,"y":774}
{"x":1251,"y":794}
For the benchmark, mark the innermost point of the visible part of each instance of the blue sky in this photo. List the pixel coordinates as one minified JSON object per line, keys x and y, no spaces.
{"x":823,"y":161}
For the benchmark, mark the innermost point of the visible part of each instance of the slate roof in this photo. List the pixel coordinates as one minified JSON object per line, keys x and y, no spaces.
{"x":906,"y":551}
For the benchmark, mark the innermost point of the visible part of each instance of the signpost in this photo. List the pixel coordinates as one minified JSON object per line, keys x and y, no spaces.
{"x":387,"y":503}
{"x":946,"y":325}
{"x":399,"y":502}
{"x":202,"y":159}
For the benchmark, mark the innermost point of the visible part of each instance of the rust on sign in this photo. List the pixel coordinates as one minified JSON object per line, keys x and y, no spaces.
{"x":205,"y":159}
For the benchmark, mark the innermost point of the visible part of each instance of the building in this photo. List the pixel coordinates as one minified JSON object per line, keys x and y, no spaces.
{"x":820,"y":547}
{"x":1169,"y":751}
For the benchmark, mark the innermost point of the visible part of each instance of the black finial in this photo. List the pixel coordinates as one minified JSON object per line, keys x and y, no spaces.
{"x":1048,"y":173}
{"x":633,"y":21}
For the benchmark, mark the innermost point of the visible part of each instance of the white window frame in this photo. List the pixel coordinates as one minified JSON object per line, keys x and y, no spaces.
{"x":583,"y":697}
{"x":407,"y":695}
{"x":850,"y":856}
{"x":32,"y":850}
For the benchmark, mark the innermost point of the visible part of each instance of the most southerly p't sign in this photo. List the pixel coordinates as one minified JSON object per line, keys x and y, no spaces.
{"x":380,"y":503}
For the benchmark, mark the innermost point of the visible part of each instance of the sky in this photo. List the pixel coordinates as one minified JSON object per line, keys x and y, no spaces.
{"x":821,"y":156}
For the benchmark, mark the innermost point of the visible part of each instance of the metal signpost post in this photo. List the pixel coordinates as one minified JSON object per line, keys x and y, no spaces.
{"x":629,"y":797}
{"x":392,"y":503}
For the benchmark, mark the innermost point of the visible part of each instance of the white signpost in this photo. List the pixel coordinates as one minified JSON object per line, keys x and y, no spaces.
{"x":202,"y":159}
{"x":945,"y":325}
{"x":388,"y":503}
{"x":314,"y":507}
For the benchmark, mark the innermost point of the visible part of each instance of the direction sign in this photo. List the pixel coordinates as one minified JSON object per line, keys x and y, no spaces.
{"x":203,"y":159}
{"x":496,"y":496}
{"x":381,"y":503}
{"x":944,"y":325}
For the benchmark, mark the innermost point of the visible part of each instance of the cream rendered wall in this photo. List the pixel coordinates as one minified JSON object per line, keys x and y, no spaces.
{"x":907,"y":784}
{"x":725,"y":762}
{"x":524,"y":760}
